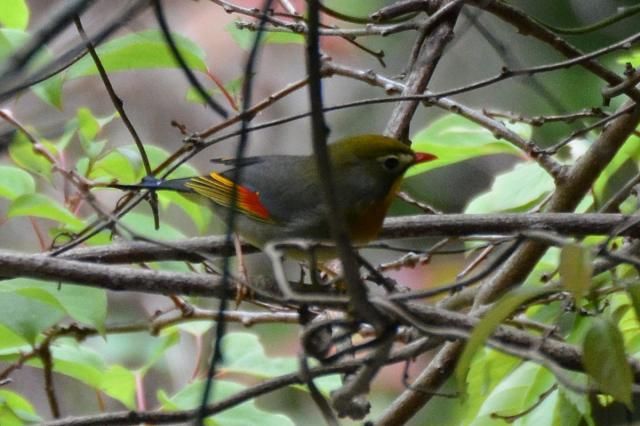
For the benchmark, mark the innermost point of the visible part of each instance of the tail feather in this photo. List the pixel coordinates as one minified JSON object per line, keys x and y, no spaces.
{"x":153,"y":183}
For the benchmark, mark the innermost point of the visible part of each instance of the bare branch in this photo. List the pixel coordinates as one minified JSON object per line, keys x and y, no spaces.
{"x":193,"y":249}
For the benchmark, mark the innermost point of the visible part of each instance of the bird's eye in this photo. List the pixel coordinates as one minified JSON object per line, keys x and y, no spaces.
{"x":391,"y":163}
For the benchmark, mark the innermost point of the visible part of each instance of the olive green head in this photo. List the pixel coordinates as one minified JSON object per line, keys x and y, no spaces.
{"x":382,"y":157}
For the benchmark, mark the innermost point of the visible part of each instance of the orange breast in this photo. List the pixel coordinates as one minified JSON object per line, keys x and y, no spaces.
{"x":366,"y":221}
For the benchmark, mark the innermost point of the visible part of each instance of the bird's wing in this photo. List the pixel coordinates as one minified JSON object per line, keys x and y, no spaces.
{"x":219,"y":189}
{"x":287,"y":187}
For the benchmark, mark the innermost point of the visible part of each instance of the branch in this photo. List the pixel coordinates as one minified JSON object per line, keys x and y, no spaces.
{"x":155,"y":417}
{"x":494,"y":126}
{"x":368,"y":30}
{"x":194,"y":249}
{"x":14,"y":264}
{"x":570,"y":191}
{"x":115,"y":99}
{"x":334,"y":209}
{"x":529,"y":26}
{"x":438,"y":34}
{"x":65,"y":59}
{"x":404,"y":407}
{"x":568,"y":194}
{"x":506,"y":73}
{"x":440,"y":322}
{"x":55,"y":24}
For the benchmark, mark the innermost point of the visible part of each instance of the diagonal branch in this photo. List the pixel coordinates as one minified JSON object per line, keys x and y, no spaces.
{"x":570,"y":191}
{"x":437,"y":38}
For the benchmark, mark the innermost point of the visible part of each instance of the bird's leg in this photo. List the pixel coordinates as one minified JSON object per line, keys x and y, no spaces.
{"x":331,"y":269}
{"x":314,"y":270}
{"x":331,"y":274}
{"x":242,"y":290}
{"x":302,"y":275}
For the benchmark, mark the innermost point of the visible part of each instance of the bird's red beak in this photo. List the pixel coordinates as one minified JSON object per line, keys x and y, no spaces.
{"x":423,"y":157}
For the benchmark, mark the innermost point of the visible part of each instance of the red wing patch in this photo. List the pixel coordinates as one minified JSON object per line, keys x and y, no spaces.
{"x":219,"y":189}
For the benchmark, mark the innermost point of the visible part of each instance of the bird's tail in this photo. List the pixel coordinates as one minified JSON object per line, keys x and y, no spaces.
{"x":150,"y":182}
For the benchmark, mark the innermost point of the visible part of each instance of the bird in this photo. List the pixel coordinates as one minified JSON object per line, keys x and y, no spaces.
{"x":280,"y":196}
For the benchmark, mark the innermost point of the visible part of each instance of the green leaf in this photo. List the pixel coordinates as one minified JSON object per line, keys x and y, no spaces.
{"x":79,"y":362}
{"x":605,"y":360}
{"x":117,"y":164}
{"x":240,"y":415}
{"x":575,"y":269}
{"x":16,"y":410}
{"x":484,"y":328}
{"x":630,"y":151}
{"x":233,"y":87}
{"x":199,"y":212}
{"x":143,"y":50}
{"x":15,"y":182}
{"x":193,"y":95}
{"x":37,"y":294}
{"x":120,"y":383}
{"x":88,"y":128}
{"x":27,"y":316}
{"x":283,"y":38}
{"x":88,"y":125}
{"x":168,"y":339}
{"x":244,"y":354}
{"x":488,"y":370}
{"x":22,"y":153}
{"x":143,"y":225}
{"x":524,"y":186}
{"x":39,"y":205}
{"x":578,"y":402}
{"x":10,"y":40}
{"x":454,"y":139}
{"x":10,"y":341}
{"x":49,"y":90}
{"x":516,"y":393}
{"x":14,"y":14}
{"x":567,"y":414}
{"x":158,"y":155}
{"x":93,"y":148}
{"x":125,"y":165}
{"x":83,"y":166}
{"x":633,"y":57}
{"x":87,"y":366}
{"x":70,"y":129}
{"x":86,"y":305}
{"x":113,"y":164}
{"x":9,"y":418}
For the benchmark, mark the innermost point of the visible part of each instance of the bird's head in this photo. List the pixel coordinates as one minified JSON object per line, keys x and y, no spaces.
{"x":380,"y":157}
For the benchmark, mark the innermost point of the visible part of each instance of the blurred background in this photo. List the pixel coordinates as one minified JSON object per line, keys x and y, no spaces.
{"x":155,"y":98}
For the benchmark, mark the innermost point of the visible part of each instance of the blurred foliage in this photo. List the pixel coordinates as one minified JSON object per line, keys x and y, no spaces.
{"x":490,"y":386}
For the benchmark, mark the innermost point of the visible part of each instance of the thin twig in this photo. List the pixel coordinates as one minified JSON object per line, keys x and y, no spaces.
{"x":115,"y":99}
{"x":47,"y":369}
{"x":230,"y":219}
{"x":177,"y":55}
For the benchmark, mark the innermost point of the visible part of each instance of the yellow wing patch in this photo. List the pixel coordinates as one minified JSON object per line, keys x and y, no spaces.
{"x":219,"y":189}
